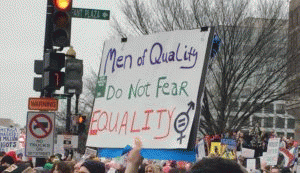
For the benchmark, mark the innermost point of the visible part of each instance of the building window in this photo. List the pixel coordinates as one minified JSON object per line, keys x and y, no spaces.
{"x":257,"y":108}
{"x":234,"y":106}
{"x":291,"y":123}
{"x":280,"y":122}
{"x":269,"y":108}
{"x":280,"y":134}
{"x":291,"y":135}
{"x":256,"y":120}
{"x":280,"y":109}
{"x":268,"y":122}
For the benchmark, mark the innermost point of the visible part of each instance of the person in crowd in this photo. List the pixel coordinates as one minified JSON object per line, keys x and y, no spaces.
{"x":217,"y":165}
{"x":61,"y":167}
{"x":92,"y":166}
{"x":49,"y":164}
{"x":151,"y":168}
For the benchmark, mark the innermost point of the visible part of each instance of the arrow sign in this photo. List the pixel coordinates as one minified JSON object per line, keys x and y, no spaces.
{"x":90,"y":13}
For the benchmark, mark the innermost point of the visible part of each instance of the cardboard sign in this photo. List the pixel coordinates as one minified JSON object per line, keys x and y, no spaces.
{"x":148,"y":87}
{"x":9,"y":139}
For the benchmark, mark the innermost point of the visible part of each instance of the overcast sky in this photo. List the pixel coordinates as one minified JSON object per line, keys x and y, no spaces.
{"x":22,"y":33}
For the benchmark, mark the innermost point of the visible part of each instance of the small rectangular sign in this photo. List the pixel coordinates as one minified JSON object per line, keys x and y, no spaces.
{"x":90,"y":13}
{"x":43,"y":104}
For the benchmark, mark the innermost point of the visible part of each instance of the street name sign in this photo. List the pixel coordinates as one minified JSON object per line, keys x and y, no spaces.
{"x":90,"y":13}
{"x":43,"y":104}
{"x":40,"y":134}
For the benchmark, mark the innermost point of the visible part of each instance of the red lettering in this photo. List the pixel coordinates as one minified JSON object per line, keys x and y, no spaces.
{"x":125,"y":117}
{"x":147,"y":119}
{"x":93,"y":120}
{"x":160,"y":114}
{"x":116,"y":123}
{"x":170,"y":114}
{"x":104,"y":128}
{"x":132,"y":124}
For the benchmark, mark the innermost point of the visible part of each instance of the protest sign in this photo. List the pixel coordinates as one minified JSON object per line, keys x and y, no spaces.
{"x":248,"y":153}
{"x":251,"y":164}
{"x":273,"y":145}
{"x":9,"y":139}
{"x":201,"y":150}
{"x":270,"y":159}
{"x":231,"y":143}
{"x":148,"y":86}
{"x":215,"y":148}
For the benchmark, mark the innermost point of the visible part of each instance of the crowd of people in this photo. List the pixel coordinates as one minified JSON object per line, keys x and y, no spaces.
{"x":213,"y":162}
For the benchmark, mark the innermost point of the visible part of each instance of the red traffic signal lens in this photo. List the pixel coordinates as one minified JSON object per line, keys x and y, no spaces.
{"x":62,"y":5}
{"x":61,"y":19}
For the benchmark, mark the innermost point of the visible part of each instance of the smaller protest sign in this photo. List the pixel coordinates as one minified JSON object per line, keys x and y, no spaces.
{"x":248,"y":153}
{"x":251,"y":164}
{"x":270,"y":159}
{"x":273,"y":145}
{"x":90,"y":152}
{"x":201,"y":150}
{"x":215,"y":148}
{"x":228,"y":153}
{"x":9,"y":139}
{"x":288,"y":156}
{"x":231,"y":143}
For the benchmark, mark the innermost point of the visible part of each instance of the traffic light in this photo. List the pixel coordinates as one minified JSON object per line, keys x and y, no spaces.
{"x":38,"y":81}
{"x":81,"y":124}
{"x":73,"y":76}
{"x":53,"y":77}
{"x":61,"y":19}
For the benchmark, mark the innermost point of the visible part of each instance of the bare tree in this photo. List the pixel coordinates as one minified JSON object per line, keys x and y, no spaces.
{"x":250,"y":67}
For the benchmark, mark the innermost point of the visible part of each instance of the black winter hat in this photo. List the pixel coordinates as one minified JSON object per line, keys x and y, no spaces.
{"x":94,"y":166}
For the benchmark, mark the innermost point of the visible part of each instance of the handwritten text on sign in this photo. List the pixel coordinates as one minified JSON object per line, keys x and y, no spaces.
{"x":148,"y":87}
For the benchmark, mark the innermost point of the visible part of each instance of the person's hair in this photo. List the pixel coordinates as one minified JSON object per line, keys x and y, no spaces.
{"x":2,"y":153}
{"x":7,"y":159}
{"x":216,"y":165}
{"x":62,"y":166}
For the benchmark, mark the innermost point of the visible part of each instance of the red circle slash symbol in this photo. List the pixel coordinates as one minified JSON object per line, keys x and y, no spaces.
{"x":45,"y":127}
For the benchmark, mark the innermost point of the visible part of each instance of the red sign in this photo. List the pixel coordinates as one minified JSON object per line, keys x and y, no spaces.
{"x":43,"y":104}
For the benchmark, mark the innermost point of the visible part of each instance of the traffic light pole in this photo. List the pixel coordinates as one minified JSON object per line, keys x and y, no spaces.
{"x":68,"y":121}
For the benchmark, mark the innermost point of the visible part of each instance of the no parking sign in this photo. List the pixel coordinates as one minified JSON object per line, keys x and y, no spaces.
{"x":39,"y":134}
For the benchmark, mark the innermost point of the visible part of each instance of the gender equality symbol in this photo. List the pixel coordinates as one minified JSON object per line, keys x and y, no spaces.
{"x":40,"y":128}
{"x":182,"y":121}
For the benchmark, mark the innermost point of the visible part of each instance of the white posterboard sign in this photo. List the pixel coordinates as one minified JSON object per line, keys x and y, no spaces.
{"x":201,"y":150}
{"x":67,"y":141}
{"x":148,"y":88}
{"x":248,"y":153}
{"x":39,"y":134}
{"x":251,"y":163}
{"x":270,"y":159}
{"x":9,"y":139}
{"x":273,"y":145}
